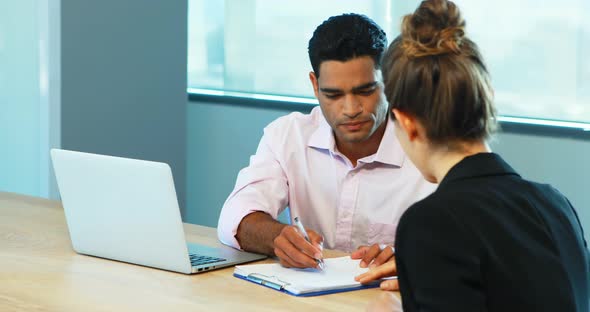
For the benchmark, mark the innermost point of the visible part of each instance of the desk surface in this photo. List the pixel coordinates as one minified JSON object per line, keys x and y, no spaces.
{"x":39,"y":271}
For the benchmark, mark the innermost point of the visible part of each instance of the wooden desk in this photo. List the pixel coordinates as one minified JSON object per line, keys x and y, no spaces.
{"x":39,"y":271}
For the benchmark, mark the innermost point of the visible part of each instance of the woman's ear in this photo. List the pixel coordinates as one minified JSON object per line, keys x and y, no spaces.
{"x":407,"y":122}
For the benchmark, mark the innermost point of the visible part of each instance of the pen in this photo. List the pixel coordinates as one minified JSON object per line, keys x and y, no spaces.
{"x":299,"y":225}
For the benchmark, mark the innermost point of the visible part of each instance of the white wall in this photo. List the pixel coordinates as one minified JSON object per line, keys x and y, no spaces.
{"x":29,"y":46}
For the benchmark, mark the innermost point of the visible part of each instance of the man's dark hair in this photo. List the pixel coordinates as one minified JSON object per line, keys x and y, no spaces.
{"x":344,"y":37}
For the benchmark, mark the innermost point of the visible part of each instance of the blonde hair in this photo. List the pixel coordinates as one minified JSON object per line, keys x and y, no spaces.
{"x":433,"y":71}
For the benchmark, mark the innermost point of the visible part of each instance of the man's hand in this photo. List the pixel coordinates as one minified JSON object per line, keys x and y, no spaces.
{"x":374,"y":255}
{"x":259,"y":232}
{"x":385,"y":270}
{"x":294,"y":251}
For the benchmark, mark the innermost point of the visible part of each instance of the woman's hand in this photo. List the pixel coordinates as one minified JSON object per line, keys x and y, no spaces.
{"x":387,"y":269}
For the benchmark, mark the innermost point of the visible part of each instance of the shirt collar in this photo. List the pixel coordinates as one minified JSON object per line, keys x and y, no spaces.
{"x":322,"y":137}
{"x":389,"y":152}
{"x":478,"y":165}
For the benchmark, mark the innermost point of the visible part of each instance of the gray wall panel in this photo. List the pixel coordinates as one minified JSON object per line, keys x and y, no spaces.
{"x":124,"y":80}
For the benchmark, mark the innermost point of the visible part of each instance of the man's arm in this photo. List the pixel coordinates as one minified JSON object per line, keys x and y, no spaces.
{"x":248,"y":217}
{"x":261,"y":187}
{"x":259,"y":232}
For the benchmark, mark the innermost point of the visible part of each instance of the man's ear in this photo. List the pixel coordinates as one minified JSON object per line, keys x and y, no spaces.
{"x":314,"y":83}
{"x":407,"y":122}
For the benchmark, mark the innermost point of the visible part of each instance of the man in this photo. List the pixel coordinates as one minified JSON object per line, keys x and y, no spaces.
{"x":339,"y":169}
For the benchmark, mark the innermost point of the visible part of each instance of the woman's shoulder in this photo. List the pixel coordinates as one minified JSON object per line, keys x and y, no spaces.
{"x":438,"y":218}
{"x":442,"y":210}
{"x":444,"y":202}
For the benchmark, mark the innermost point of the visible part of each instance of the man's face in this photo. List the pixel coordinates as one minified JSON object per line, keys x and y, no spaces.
{"x":351,"y":98}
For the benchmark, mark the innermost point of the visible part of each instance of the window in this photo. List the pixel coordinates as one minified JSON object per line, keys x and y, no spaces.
{"x":537,"y":51}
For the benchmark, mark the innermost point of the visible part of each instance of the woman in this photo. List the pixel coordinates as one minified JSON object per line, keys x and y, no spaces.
{"x":486,"y":239}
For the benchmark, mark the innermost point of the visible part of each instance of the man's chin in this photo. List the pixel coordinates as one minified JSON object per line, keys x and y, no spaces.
{"x":354,"y":137}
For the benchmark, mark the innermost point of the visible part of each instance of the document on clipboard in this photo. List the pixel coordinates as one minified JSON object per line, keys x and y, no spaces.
{"x":337,"y":276}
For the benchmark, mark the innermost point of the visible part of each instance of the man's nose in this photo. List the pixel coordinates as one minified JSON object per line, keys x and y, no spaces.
{"x":352,"y":107}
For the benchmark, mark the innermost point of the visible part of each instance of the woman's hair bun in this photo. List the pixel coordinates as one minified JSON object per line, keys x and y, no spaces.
{"x":435,"y":28}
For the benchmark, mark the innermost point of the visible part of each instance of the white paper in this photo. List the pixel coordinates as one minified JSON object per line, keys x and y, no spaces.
{"x":339,"y":273}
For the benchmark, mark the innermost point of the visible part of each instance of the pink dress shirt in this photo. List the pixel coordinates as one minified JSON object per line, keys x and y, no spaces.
{"x":297,"y":165}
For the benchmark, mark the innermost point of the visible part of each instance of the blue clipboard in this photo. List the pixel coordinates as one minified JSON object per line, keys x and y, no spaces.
{"x":278,"y":285}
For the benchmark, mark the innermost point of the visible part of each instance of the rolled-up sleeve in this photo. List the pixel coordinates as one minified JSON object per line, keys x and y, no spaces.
{"x":262,"y":186}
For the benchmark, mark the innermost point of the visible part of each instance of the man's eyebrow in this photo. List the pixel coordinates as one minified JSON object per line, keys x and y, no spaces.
{"x":365,"y":86}
{"x":330,"y":90}
{"x":355,"y":89}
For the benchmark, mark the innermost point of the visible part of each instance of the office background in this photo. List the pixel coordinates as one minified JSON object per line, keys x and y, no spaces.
{"x":110,"y":77}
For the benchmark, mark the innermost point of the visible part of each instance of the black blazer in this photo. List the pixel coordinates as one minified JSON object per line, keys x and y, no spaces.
{"x":488,"y":240}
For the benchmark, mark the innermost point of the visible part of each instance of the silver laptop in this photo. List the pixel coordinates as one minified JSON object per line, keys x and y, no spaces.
{"x":126,"y":210}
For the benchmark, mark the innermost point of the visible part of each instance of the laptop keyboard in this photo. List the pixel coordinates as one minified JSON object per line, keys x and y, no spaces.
{"x":200,"y":260}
